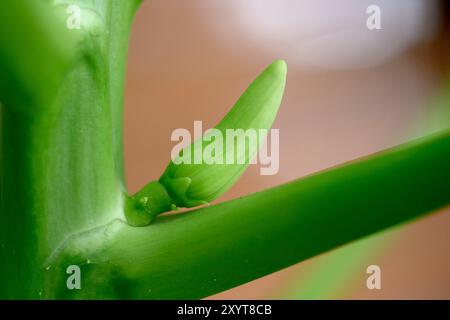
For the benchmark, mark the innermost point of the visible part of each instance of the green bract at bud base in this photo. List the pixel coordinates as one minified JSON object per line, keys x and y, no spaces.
{"x":193,"y":184}
{"x":144,"y":206}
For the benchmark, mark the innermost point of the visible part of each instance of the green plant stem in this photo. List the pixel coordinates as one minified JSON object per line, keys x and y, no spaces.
{"x":205,"y":251}
{"x":33,"y":55}
{"x":332,"y":275}
{"x":61,"y":155}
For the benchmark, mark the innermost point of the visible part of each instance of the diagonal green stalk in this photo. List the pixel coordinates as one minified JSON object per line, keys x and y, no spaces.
{"x":332,"y":276}
{"x":205,"y":251}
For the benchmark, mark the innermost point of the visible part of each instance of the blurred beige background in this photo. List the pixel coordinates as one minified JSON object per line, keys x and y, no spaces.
{"x":350,"y":93}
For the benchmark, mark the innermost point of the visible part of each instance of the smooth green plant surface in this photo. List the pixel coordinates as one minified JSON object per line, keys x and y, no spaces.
{"x":61,"y":132}
{"x":63,"y":196}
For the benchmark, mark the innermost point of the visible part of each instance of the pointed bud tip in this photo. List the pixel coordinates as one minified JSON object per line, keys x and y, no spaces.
{"x":279,"y":67}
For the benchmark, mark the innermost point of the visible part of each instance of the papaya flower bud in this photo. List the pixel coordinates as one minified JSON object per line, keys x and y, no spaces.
{"x":192,"y":184}
{"x":209,"y":166}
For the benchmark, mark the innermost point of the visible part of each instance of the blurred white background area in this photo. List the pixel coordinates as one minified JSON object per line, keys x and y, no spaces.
{"x":320,"y":33}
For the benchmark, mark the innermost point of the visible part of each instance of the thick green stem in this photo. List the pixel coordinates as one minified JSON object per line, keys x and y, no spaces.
{"x":36,"y":49}
{"x":61,"y":162}
{"x":205,"y":251}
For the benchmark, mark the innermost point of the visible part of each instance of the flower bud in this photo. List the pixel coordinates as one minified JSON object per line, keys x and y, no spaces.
{"x":190,"y":183}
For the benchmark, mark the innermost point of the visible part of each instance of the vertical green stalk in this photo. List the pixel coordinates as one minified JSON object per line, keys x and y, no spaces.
{"x":61,"y":163}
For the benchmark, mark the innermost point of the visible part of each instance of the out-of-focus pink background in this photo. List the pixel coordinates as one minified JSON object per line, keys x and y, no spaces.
{"x":350,"y":92}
